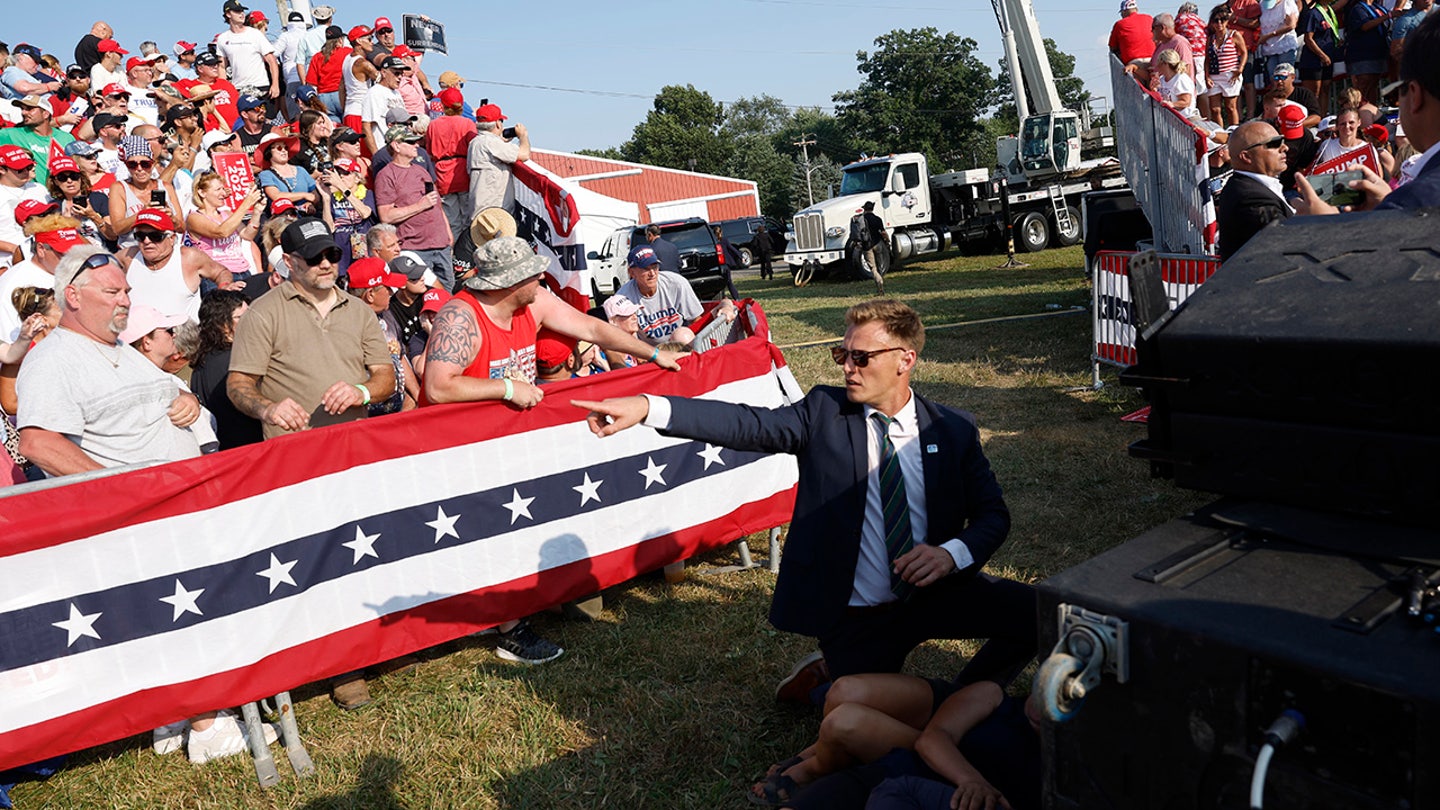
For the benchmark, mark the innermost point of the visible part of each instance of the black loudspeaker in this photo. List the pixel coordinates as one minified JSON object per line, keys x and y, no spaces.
{"x":1222,"y":623}
{"x":1307,"y":370}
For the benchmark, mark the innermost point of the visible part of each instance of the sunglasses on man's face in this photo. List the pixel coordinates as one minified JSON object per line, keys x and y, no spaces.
{"x":1274,"y":143}
{"x":155,"y":237}
{"x":859,"y":358}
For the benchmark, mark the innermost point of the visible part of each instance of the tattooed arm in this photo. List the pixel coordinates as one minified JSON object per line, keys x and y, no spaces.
{"x":244,"y":392}
{"x":454,"y":344}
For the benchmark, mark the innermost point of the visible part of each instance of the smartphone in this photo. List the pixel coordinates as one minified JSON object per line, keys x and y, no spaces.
{"x":157,"y":198}
{"x":1334,"y":187}
{"x":429,"y":186}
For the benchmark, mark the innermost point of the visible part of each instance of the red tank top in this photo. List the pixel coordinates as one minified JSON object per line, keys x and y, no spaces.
{"x":503,"y":352}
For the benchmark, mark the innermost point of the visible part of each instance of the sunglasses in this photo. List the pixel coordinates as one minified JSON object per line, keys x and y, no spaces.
{"x":155,"y":237}
{"x":98,"y":260}
{"x":67,"y":177}
{"x":1274,"y":143}
{"x":139,"y":164}
{"x":859,"y":358}
{"x":330,"y":254}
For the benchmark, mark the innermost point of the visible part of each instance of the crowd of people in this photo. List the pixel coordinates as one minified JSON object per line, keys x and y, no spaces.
{"x":1295,"y":93}
{"x":203,"y":247}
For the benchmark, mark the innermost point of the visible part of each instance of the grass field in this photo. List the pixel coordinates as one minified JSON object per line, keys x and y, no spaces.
{"x":667,"y":701}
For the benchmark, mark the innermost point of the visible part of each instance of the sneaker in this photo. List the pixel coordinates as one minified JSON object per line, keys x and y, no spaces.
{"x":223,"y":739}
{"x":526,"y":646}
{"x":809,"y":672}
{"x":169,"y":738}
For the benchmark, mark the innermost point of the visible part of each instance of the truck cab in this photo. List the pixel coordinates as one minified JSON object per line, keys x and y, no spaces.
{"x":899,"y":185}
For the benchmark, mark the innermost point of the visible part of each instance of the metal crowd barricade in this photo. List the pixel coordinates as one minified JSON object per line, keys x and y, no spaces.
{"x":1112,"y":310}
{"x":1165,"y":159}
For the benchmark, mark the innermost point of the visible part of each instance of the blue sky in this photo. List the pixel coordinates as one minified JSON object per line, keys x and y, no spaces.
{"x":520,"y":55}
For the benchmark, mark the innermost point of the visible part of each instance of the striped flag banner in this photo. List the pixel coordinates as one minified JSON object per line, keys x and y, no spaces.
{"x":151,"y":595}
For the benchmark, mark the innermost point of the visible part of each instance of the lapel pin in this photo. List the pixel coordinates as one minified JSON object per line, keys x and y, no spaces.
{"x":932,"y":448}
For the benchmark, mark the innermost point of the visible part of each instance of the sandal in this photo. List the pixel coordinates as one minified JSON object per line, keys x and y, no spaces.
{"x":781,"y":767}
{"x":775,"y":791}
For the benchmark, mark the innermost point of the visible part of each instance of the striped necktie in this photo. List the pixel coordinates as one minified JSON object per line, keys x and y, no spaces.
{"x":894,"y":505}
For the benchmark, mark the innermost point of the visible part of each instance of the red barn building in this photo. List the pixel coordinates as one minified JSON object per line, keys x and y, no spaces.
{"x":661,"y":194}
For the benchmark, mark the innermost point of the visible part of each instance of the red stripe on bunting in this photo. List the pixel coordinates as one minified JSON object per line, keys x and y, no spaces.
{"x":49,"y":517}
{"x":383,"y":639}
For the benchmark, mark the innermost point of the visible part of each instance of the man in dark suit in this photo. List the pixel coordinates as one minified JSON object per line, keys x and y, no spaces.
{"x":1252,"y":199}
{"x":844,"y":578}
{"x":665,"y":250}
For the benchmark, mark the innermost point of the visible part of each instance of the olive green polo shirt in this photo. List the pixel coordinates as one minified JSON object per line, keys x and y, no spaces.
{"x":283,"y":340}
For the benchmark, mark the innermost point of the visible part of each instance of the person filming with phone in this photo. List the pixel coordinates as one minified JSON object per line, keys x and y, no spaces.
{"x":495,"y":149}
{"x":405,"y":197}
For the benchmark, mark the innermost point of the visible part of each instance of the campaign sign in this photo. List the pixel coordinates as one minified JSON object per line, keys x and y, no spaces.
{"x":235,"y":172}
{"x":424,"y":34}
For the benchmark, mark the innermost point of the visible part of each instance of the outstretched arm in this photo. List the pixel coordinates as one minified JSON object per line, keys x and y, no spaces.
{"x":613,"y":415}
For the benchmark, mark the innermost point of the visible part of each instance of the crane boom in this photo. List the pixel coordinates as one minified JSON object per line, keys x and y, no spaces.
{"x":1026,"y":58}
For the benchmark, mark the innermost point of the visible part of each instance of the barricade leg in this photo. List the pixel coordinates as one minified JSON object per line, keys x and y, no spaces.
{"x":254,"y":731}
{"x":290,"y":736}
{"x":775,"y":550}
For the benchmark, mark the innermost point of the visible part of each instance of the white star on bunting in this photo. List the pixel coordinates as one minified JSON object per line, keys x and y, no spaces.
{"x":183,"y":601}
{"x":589,"y":491}
{"x":443,"y":524}
{"x":653,"y":472}
{"x":278,"y":572}
{"x":79,"y":624}
{"x":711,"y":454}
{"x":363,"y":545}
{"x":519,"y":506}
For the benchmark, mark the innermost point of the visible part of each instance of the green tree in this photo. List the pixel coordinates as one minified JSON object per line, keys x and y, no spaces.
{"x":813,"y":124}
{"x":820,"y":177}
{"x":1070,"y":87}
{"x":755,"y":158}
{"x":923,"y":91}
{"x":761,"y":115}
{"x":609,"y":153}
{"x":682,"y":131}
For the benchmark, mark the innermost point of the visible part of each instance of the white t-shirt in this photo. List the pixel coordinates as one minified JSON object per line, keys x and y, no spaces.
{"x":142,"y":106}
{"x":287,"y":47}
{"x":24,"y":274}
{"x":10,"y":231}
{"x":673,"y":305}
{"x":378,"y":101}
{"x":1270,"y":20}
{"x":1172,"y":89}
{"x":109,"y":400}
{"x":245,"y":51}
{"x":100,"y":77}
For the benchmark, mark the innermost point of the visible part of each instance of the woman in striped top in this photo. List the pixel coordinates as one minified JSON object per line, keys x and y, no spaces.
{"x":1224,"y":57}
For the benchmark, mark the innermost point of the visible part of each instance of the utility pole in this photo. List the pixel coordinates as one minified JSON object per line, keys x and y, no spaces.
{"x":805,"y":150}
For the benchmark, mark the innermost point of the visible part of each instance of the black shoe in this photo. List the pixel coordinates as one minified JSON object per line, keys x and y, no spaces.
{"x":526,"y":646}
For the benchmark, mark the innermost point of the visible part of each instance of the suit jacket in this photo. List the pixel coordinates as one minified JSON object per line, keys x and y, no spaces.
{"x":667,"y":253}
{"x":1243,"y":208}
{"x":1422,"y":192}
{"x":828,"y":436}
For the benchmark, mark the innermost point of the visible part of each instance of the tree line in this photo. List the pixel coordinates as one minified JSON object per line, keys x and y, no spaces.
{"x":922,"y":91}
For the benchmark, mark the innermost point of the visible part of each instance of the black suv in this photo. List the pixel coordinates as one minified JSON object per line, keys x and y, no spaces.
{"x":699,"y":253}
{"x":741,"y":233}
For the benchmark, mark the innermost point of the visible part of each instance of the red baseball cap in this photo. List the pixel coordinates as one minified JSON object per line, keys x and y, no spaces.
{"x":347,"y":165}
{"x":382,"y":23}
{"x":25,"y":209}
{"x":489,"y":112}
{"x":283,"y":206}
{"x":553,"y":349}
{"x":255,"y":17}
{"x":62,"y":164}
{"x":182,"y":47}
{"x":1378,"y":133}
{"x":157,"y":218}
{"x":373,"y":272}
{"x":110,"y":46}
{"x":137,"y":61}
{"x":434,"y":299}
{"x":404,"y":51}
{"x":1291,"y":119}
{"x":452,"y":97}
{"x":61,"y":239}
{"x":15,"y":157}
{"x":359,"y":32}
{"x":115,"y":89}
